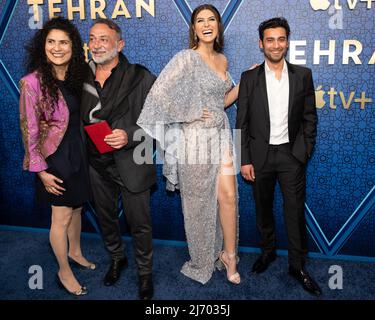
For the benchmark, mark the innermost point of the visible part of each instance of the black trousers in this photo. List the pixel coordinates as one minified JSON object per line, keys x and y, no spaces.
{"x":106,"y":187}
{"x":281,"y":166}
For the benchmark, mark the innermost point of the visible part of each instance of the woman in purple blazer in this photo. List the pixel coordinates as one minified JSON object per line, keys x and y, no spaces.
{"x":50,"y":125}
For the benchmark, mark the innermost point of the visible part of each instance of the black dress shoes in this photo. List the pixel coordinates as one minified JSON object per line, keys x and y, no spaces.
{"x":262,"y":263}
{"x":114,"y":271}
{"x":305,"y":280}
{"x":146,"y":287}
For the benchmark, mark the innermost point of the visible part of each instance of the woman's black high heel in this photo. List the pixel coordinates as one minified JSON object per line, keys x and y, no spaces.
{"x":81,"y":292}
{"x":91,"y":266}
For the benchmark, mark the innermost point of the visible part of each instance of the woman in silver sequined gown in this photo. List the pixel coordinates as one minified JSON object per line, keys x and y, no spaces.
{"x":189,"y":98}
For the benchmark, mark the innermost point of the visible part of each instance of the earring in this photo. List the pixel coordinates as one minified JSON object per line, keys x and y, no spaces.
{"x":195,"y":38}
{"x":217,"y":39}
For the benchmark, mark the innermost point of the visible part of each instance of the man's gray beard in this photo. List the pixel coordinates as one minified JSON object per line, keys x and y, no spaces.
{"x":107,"y":58}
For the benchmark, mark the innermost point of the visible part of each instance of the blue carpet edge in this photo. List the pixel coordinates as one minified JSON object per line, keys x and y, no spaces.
{"x":183,"y":244}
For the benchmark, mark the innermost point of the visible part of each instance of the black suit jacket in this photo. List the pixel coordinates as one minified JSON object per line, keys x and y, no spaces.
{"x":253,"y":117}
{"x":134,"y":87}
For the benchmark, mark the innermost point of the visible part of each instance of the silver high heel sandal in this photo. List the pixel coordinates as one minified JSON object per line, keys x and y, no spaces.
{"x":235,"y":277}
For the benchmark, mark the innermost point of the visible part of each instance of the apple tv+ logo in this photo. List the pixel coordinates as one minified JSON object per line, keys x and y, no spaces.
{"x":320,"y":4}
{"x":352,"y":4}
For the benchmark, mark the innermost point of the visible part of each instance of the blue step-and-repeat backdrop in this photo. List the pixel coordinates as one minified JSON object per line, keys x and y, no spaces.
{"x":334,"y":38}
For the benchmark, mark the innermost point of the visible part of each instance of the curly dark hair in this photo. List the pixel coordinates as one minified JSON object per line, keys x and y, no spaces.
{"x":193,"y":40}
{"x":37,"y":61}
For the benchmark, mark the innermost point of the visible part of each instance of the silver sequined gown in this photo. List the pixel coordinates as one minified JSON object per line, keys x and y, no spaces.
{"x":183,"y":89}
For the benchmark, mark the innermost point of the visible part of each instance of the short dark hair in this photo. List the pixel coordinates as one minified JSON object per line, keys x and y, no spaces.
{"x":110,"y":24}
{"x":274,"y":23}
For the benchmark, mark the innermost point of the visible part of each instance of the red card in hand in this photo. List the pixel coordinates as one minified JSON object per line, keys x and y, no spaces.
{"x":97,"y":132}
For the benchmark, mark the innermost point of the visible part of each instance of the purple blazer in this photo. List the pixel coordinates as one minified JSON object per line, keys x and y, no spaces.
{"x":40,"y":142}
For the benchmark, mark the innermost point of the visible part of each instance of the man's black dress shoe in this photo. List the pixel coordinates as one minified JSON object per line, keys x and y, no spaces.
{"x":146,"y":287}
{"x":262,"y":263}
{"x":114,"y":271}
{"x":306,"y":281}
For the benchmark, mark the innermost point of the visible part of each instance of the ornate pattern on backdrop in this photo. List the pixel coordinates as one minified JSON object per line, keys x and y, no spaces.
{"x":340,"y":185}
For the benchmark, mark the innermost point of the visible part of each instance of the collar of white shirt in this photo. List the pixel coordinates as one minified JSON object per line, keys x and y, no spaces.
{"x":269,"y":71}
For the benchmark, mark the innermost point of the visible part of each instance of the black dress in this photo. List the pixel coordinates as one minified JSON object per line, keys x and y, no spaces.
{"x":68,"y":162}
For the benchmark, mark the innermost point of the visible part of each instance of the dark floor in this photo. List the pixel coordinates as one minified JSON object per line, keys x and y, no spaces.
{"x":21,"y":250}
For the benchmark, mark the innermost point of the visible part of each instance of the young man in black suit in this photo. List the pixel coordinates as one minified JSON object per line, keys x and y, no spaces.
{"x":278,"y":120}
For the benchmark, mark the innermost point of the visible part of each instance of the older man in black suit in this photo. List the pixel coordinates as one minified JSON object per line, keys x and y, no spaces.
{"x":115,"y":91}
{"x":278,"y":120}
